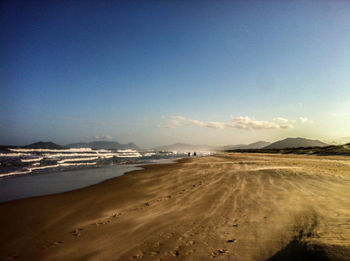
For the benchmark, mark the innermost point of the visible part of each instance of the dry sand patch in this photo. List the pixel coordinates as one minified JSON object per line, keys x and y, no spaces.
{"x":223,"y":207}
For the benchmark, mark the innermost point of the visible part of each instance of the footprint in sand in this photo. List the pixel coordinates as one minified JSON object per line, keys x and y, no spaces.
{"x":53,"y":244}
{"x":154,"y":253}
{"x":174,"y":253}
{"x":219,"y":252}
{"x":99,"y":223}
{"x":76,"y":232}
{"x":138,"y":255}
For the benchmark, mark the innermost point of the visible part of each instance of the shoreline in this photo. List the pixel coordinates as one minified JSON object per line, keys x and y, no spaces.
{"x":44,"y":184}
{"x":227,"y":206}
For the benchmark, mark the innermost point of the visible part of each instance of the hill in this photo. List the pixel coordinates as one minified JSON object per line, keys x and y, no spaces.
{"x":295,"y":143}
{"x":255,"y":145}
{"x":7,"y":147}
{"x":333,"y":150}
{"x":43,"y":145}
{"x":104,"y":145}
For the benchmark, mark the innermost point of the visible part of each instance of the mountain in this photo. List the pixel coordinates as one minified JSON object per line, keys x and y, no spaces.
{"x":182,"y":147}
{"x":295,"y":143}
{"x":104,"y":145}
{"x":258,"y":145}
{"x":255,"y":145}
{"x":343,"y":150}
{"x":43,"y":145}
{"x":7,"y":147}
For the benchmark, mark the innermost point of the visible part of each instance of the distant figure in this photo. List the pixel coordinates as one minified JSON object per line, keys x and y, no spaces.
{"x":189,"y":154}
{"x":195,"y":154}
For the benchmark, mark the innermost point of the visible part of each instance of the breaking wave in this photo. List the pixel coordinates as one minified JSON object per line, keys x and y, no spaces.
{"x":20,"y":161}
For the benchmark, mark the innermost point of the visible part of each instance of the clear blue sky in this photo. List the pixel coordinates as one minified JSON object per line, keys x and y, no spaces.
{"x":158,"y":72}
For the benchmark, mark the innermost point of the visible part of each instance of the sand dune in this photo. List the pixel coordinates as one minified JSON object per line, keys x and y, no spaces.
{"x":223,"y":207}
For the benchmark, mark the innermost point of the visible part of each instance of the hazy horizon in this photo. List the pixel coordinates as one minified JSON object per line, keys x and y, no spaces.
{"x":339,"y":141}
{"x":157,"y":73}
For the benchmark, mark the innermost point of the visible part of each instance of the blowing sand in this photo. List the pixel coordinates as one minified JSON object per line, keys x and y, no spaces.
{"x":224,"y":207}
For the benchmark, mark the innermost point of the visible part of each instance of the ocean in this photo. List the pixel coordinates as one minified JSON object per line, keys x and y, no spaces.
{"x":35,"y":172}
{"x":22,"y":161}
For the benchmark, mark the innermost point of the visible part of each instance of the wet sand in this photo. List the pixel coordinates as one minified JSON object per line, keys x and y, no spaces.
{"x":223,"y":207}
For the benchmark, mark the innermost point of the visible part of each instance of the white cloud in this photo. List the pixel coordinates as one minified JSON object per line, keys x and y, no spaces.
{"x":280,"y":119}
{"x":102,"y":137}
{"x":242,"y":122}
{"x":303,"y":119}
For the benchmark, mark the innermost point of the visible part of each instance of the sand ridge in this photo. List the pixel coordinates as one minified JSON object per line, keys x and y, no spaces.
{"x":224,"y":207}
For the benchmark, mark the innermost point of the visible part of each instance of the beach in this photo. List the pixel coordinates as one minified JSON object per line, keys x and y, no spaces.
{"x":229,"y":206}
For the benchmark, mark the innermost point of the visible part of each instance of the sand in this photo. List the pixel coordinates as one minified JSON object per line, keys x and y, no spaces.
{"x":223,"y":207}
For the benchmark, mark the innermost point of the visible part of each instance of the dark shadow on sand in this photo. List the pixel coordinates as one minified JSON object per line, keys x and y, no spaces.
{"x":297,"y":250}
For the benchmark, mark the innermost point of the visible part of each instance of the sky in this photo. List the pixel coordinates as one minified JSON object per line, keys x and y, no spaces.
{"x":160,"y":72}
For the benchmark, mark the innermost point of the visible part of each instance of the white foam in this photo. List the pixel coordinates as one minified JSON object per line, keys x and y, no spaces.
{"x":103,"y":151}
{"x":32,"y":160}
{"x":129,"y":155}
{"x":77,"y":159}
{"x":63,"y":155}
{"x":73,"y":152}
{"x":149,"y":154}
{"x":127,"y":151}
{"x":14,"y":154}
{"x":51,"y":150}
{"x":14,"y":173}
{"x":44,"y":167}
{"x":30,"y":170}
{"x":77,"y":164}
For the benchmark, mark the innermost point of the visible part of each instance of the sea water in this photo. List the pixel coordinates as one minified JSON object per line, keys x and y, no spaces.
{"x":24,"y":186}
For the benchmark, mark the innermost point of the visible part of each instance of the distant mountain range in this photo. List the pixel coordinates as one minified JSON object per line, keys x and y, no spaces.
{"x":93,"y":145}
{"x":104,"y":145}
{"x":343,"y":150}
{"x":182,"y":147}
{"x":295,"y":143}
{"x":43,"y":145}
{"x":255,"y":145}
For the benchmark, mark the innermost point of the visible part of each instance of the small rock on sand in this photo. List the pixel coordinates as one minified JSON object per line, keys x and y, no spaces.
{"x":174,"y":253}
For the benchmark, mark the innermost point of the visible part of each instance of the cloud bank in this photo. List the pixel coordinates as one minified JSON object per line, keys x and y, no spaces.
{"x":102,"y":137}
{"x":305,"y":119}
{"x":241,"y":122}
